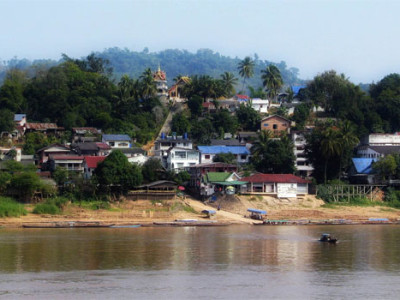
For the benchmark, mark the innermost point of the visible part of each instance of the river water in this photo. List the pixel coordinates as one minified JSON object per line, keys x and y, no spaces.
{"x":233,"y":262}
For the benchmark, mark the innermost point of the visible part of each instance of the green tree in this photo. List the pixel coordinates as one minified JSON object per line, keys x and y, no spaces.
{"x":6,"y":120}
{"x":257,"y":93}
{"x":227,"y":158}
{"x":272,"y":80}
{"x":248,"y":118}
{"x":147,"y":84}
{"x":115,"y":172}
{"x":246,"y":69}
{"x":24,"y":185}
{"x":60,"y":175}
{"x":228,"y":84}
{"x":152,"y":170}
{"x":180,"y":123}
{"x":195,"y":105}
{"x":202,"y":131}
{"x":386,"y":167}
{"x":273,"y":155}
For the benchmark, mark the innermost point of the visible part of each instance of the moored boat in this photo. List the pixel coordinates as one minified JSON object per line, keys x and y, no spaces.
{"x":66,"y":224}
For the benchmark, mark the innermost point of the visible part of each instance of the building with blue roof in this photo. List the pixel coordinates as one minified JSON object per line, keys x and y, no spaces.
{"x":296,"y":89}
{"x":208,"y":153}
{"x":117,"y":140}
{"x":362,"y":171}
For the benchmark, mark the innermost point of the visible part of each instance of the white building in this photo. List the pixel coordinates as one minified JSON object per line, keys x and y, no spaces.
{"x":303,"y":166}
{"x":178,"y":159}
{"x":163,"y":144}
{"x":260,"y":105}
{"x":208,"y":153}
{"x":117,"y":140}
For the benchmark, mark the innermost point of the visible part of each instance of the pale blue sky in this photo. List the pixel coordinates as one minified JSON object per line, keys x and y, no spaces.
{"x":360,"y":38}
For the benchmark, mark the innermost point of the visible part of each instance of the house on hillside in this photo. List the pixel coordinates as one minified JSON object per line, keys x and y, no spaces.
{"x":20,"y":120}
{"x":116,"y":141}
{"x":174,"y":93}
{"x":72,"y":163}
{"x":276,"y":124}
{"x":279,"y":185}
{"x":303,"y":166}
{"x":135,"y":155}
{"x":164,"y":143}
{"x":213,"y":182}
{"x":90,"y":164}
{"x":197,"y":171}
{"x":367,"y":151}
{"x":208,"y":153}
{"x":91,"y":148}
{"x":260,"y":105}
{"x":179,"y":159}
{"x":85,"y":134}
{"x":42,"y":155}
{"x":45,"y":128}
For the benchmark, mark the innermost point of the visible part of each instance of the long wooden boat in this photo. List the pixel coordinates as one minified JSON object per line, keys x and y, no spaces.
{"x":182,"y":224}
{"x":66,"y":224}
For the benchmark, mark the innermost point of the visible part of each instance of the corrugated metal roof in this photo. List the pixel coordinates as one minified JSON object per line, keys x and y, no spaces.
{"x":42,"y":126}
{"x":223,"y":149}
{"x":116,"y":137}
{"x":19,"y":117}
{"x":216,"y":176}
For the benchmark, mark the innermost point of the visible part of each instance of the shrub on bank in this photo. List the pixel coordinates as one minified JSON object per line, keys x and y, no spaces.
{"x":11,"y":208}
{"x":52,"y":206}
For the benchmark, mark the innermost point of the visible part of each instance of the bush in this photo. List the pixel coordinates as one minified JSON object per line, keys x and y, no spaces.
{"x":95,"y":205}
{"x":49,"y":208}
{"x":10,"y":208}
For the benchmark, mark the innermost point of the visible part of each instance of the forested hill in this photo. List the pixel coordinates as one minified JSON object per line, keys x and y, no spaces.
{"x":174,"y":62}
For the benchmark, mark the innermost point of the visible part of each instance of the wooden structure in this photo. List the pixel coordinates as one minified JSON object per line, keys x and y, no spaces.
{"x":348,"y":191}
{"x":157,"y":190}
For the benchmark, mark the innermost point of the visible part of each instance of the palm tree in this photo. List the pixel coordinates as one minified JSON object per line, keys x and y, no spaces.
{"x":246,"y":69}
{"x":148,"y":85}
{"x":259,"y":147}
{"x":228,"y":83}
{"x":272,"y":80}
{"x":331,"y":145}
{"x":348,"y":140}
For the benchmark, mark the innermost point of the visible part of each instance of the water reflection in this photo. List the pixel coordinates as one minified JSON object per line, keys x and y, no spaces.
{"x":261,"y":248}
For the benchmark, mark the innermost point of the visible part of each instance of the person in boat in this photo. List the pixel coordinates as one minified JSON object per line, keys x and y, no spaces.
{"x":326,"y":237}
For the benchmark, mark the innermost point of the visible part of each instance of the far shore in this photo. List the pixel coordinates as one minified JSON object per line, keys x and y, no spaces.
{"x":302,"y":211}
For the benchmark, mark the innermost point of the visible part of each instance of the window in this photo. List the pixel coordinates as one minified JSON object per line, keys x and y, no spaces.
{"x":275,"y":126}
{"x":243,"y":157}
{"x":207,"y":156}
{"x":112,"y":144}
{"x":266,"y":124}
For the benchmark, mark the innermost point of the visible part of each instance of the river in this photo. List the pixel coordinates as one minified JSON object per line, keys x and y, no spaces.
{"x":233,"y":262}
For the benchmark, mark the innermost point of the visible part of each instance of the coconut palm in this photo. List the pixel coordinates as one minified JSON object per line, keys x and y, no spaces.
{"x":148,"y":85}
{"x":246,"y":69}
{"x":272,"y":80}
{"x":259,"y":147}
{"x":228,"y":83}
{"x":348,"y":140}
{"x":331,"y":145}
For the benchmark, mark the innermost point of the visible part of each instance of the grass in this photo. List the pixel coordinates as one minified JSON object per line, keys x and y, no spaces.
{"x":11,"y":208}
{"x":94,"y":205}
{"x":177,"y":206}
{"x":52,"y":206}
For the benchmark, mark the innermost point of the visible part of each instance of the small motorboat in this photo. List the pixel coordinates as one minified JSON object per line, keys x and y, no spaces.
{"x":327,"y":238}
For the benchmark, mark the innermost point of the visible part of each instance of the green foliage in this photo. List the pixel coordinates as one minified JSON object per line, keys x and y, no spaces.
{"x":195,"y":105}
{"x":60,"y":175}
{"x":52,"y":206}
{"x":116,"y":172}
{"x":181,"y":177}
{"x":23,"y":185}
{"x":180,"y":124}
{"x":301,"y":115}
{"x":35,"y":141}
{"x":386,"y":167}
{"x":94,"y":205}
{"x":273,"y":155}
{"x":10,"y":208}
{"x":202,"y":131}
{"x":272,"y":80}
{"x":228,"y":158}
{"x":151,"y":170}
{"x":248,"y":118}
{"x":5,"y":179}
{"x":224,"y":122}
{"x":6,"y":120}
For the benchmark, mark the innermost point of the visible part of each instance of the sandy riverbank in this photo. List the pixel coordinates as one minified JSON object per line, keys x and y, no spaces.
{"x":233,"y":212}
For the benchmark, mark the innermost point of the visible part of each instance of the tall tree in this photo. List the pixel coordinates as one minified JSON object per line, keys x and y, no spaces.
{"x":228,"y":83}
{"x":246,"y":69}
{"x":272,"y":80}
{"x":147,"y":84}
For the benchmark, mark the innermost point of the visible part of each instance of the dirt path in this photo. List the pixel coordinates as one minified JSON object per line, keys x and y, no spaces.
{"x":221,"y":214}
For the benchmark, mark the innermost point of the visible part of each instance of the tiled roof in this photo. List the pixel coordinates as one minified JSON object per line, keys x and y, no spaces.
{"x":66,"y":157}
{"x":274,"y":178}
{"x":275,"y":116}
{"x":42,"y":126}
{"x":116,"y":137}
{"x":92,"y":161}
{"x":223,"y":149}
{"x":103,"y":146}
{"x":242,"y":97}
{"x":82,"y":130}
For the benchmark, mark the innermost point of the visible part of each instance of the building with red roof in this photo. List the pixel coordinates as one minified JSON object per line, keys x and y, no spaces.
{"x":90,"y":164}
{"x":280,"y":185}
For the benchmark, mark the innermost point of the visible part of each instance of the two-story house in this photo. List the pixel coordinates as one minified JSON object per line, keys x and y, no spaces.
{"x":303,"y":166}
{"x":179,"y":159}
{"x":117,"y":140}
{"x":208,"y":153}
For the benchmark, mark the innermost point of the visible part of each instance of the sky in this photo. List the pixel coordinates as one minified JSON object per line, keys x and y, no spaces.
{"x":360,"y":38}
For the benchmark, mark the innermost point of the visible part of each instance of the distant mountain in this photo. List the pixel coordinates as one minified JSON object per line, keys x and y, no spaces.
{"x":173,"y":61}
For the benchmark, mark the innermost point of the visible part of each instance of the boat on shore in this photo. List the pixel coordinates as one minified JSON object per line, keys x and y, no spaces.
{"x":190,"y":223}
{"x":66,"y":224}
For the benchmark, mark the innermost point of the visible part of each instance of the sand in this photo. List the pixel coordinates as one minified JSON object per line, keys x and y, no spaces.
{"x":233,"y":211}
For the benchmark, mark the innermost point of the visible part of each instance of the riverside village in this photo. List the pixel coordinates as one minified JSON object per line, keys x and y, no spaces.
{"x":195,"y":150}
